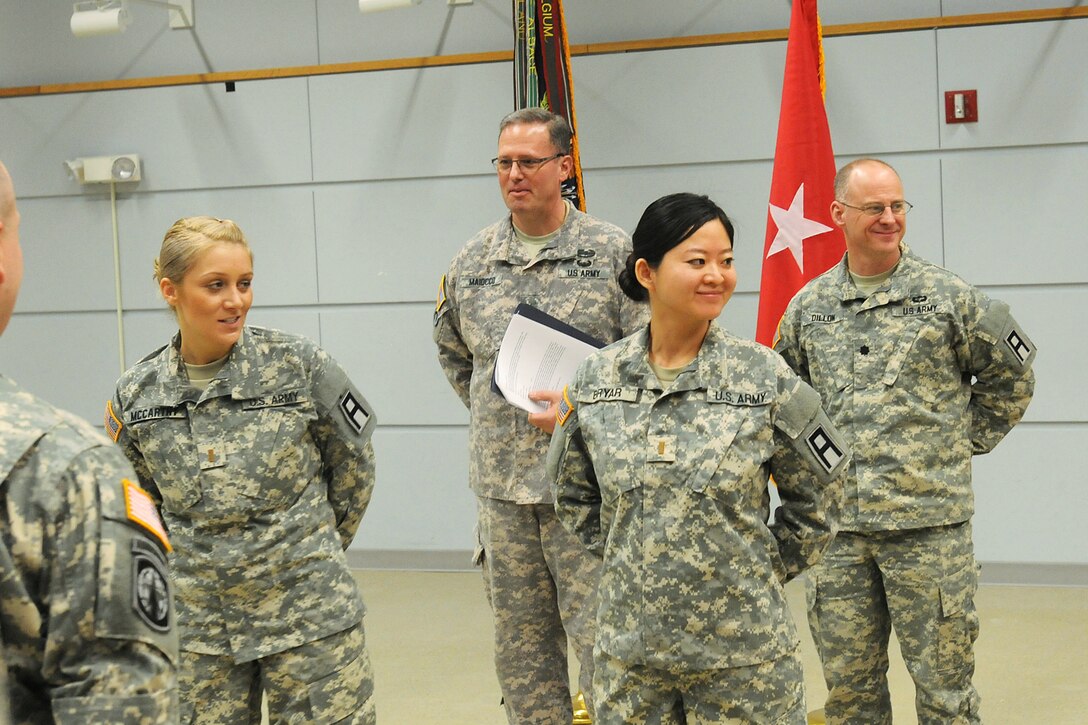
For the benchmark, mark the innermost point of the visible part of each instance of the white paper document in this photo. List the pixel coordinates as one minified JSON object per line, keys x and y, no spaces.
{"x":538,"y":352}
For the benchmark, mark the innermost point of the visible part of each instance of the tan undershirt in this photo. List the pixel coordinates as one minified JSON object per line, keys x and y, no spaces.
{"x":201,"y":375}
{"x":533,"y":245}
{"x":869,"y":285}
{"x":666,"y":375}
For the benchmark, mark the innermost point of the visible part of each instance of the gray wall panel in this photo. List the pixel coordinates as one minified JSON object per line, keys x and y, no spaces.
{"x":276,"y":33}
{"x":70,"y":359}
{"x":388,"y":351}
{"x":421,"y":498}
{"x":145,"y":332}
{"x":865,"y":120}
{"x":432,"y":28}
{"x":375,"y":245}
{"x":67,"y":245}
{"x":187,"y":136}
{"x":969,"y":7}
{"x":1007,"y":215}
{"x":711,"y":116}
{"x":1029,"y":505}
{"x":408,"y":123}
{"x":305,"y":322}
{"x":1033,"y":95}
{"x":277,"y":222}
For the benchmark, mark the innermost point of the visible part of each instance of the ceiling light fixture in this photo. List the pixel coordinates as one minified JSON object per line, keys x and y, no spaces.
{"x":374,"y":6}
{"x":102,"y":17}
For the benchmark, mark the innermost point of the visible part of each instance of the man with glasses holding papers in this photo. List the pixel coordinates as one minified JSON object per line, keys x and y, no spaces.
{"x":540,"y":581}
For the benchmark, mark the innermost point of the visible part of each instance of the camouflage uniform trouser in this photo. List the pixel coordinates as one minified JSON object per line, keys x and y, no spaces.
{"x":770,"y":693}
{"x":542,"y":586}
{"x":923,"y":583}
{"x":323,"y":682}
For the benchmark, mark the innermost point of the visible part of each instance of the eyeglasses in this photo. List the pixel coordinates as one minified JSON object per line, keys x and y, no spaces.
{"x":527,"y":166}
{"x":899,"y":208}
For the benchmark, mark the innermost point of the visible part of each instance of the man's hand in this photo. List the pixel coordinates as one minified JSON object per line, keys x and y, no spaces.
{"x":545,"y":421}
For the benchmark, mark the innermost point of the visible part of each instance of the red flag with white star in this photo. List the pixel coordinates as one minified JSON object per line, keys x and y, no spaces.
{"x":802,"y":242}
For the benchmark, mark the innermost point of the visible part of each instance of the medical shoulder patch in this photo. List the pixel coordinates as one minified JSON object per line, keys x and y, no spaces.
{"x":150,"y":590}
{"x":565,"y":407}
{"x":113,"y":424}
{"x":355,"y":414}
{"x":140,"y":510}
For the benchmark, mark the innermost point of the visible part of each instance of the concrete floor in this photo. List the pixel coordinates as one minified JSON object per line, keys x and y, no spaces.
{"x":430,"y":642}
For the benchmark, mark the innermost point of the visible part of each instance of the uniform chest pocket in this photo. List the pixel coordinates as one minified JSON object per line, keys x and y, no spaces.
{"x":830,"y":361}
{"x":738,"y":439}
{"x":608,"y":418}
{"x":484,"y":304}
{"x":165,"y":443}
{"x":275,"y":452}
{"x":921,"y":360}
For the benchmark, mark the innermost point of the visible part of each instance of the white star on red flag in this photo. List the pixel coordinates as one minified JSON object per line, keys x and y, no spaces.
{"x":794,"y":228}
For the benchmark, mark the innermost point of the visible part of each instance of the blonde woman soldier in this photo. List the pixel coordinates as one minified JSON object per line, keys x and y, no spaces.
{"x":661,"y":457}
{"x":256,"y":448}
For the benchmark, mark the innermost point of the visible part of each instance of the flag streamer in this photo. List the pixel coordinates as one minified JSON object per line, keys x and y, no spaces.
{"x":542,"y":73}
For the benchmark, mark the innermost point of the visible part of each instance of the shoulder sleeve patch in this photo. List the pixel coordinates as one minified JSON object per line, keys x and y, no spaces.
{"x":441,"y":299}
{"x":150,"y":588}
{"x":565,"y":407}
{"x":113,"y":424}
{"x":141,"y":511}
{"x":441,"y":294}
{"x":827,"y":452}
{"x":354,"y":412}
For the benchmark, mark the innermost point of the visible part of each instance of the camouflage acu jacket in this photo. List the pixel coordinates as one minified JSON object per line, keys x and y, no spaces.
{"x":86,"y":610}
{"x":572,"y":279}
{"x":668,"y":483}
{"x":262,"y":479}
{"x":923,"y":374}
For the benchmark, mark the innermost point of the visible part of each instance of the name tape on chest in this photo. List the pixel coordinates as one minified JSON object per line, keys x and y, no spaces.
{"x":112,"y":423}
{"x":150,"y":590}
{"x":354,"y":413}
{"x":273,"y":400}
{"x":732,"y":397}
{"x":826,"y":451}
{"x":613,"y":394}
{"x":914,"y":310}
{"x":473,"y":281}
{"x":581,"y":273}
{"x":155,"y":412}
{"x":141,"y":511}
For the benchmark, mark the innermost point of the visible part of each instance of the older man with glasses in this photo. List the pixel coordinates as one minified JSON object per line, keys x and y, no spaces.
{"x":540,"y":581}
{"x":921,"y":371}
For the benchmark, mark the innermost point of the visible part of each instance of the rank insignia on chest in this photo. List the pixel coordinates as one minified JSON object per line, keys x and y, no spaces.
{"x":662,"y":449}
